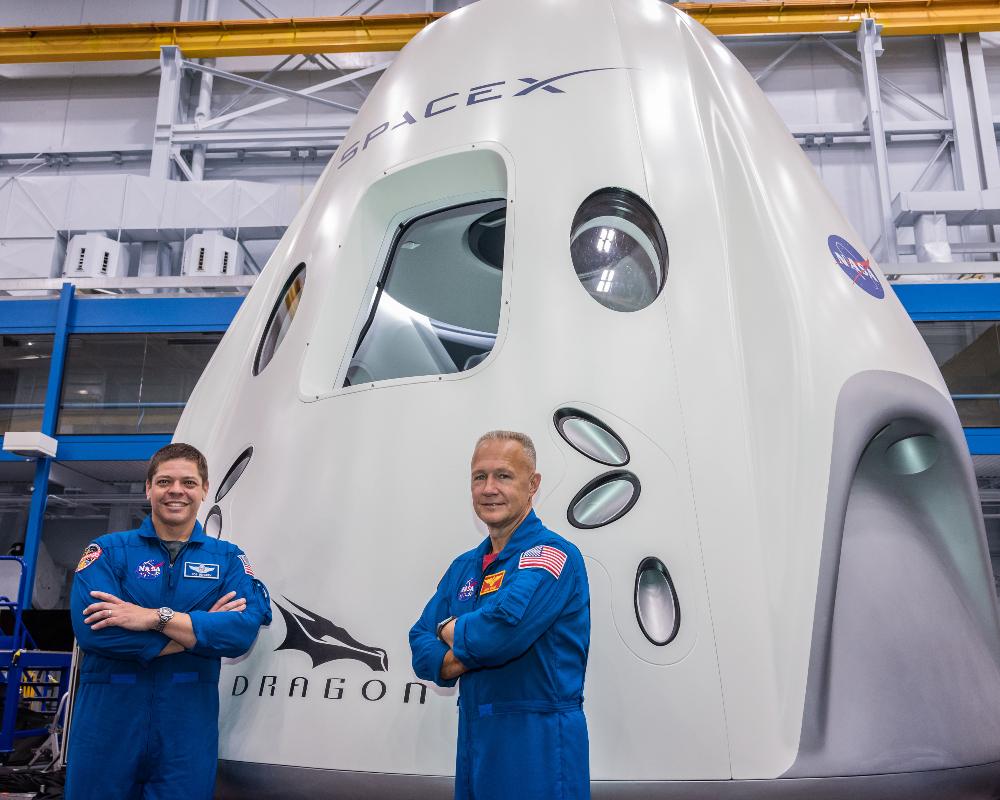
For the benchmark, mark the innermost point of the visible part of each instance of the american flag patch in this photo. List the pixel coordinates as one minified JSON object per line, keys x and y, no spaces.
{"x":247,"y":566}
{"x":544,"y":557}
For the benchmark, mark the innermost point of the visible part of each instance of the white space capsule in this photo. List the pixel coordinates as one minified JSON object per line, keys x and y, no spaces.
{"x":583,"y":220}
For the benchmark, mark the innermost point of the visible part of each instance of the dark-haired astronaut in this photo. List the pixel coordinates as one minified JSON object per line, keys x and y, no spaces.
{"x":154,"y":611}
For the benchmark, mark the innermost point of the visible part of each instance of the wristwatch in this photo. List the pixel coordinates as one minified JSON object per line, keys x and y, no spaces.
{"x":166,"y":614}
{"x":441,"y":624}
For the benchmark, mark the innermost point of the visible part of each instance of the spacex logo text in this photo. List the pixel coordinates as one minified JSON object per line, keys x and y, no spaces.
{"x":442,"y":104}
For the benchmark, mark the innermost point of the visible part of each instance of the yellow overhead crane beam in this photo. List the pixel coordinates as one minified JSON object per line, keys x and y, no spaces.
{"x":211,"y":39}
{"x":897,"y":17}
{"x":259,"y":37}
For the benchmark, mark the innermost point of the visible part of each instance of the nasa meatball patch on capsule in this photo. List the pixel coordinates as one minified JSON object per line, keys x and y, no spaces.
{"x":855,"y":266}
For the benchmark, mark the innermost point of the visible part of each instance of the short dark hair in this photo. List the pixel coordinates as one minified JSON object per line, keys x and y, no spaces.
{"x":178,"y":450}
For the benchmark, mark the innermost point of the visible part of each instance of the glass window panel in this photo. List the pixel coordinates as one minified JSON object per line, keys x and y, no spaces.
{"x":213,"y":523}
{"x":656,"y":602}
{"x":234,"y":473}
{"x":591,"y":437}
{"x":437,"y":307}
{"x":24,"y":378}
{"x":968,"y":353}
{"x":606,"y":498}
{"x":618,"y":249}
{"x":281,"y":318}
{"x":131,"y":383}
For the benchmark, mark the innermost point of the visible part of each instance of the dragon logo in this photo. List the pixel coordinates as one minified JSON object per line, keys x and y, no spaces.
{"x":323,"y":641}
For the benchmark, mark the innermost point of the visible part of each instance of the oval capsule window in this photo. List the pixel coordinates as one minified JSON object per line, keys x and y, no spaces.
{"x":618,"y":250}
{"x":912,"y":455}
{"x":588,"y":435}
{"x":281,"y":318}
{"x":606,"y":498}
{"x":233,"y":474}
{"x":656,"y":607}
{"x":213,"y":523}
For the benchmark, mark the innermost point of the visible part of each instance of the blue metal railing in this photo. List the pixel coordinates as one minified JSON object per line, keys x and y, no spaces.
{"x":36,"y":406}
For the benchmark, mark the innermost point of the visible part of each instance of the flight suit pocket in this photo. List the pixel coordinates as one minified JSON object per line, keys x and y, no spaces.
{"x":512,"y":604}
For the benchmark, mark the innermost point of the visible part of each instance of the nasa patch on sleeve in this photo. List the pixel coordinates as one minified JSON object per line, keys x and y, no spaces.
{"x":855,"y":266}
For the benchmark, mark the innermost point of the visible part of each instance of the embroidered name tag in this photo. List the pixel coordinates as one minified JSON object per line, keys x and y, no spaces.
{"x":492,"y":582}
{"x":195,"y":570}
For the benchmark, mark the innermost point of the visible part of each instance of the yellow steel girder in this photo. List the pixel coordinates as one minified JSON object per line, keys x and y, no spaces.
{"x":256,"y":37}
{"x":211,"y":39}
{"x":898,"y":17}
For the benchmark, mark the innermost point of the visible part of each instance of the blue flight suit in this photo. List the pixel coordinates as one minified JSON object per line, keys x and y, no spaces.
{"x":148,"y":727}
{"x":522,"y":734}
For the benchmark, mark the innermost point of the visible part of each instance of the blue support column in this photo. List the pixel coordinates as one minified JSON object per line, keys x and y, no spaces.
{"x":50,"y":419}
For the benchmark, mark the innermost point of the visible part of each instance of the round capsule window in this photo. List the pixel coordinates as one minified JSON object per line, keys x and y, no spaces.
{"x":213,"y":523}
{"x":605,"y":499}
{"x":656,"y":606}
{"x":912,"y":455}
{"x":618,"y":250}
{"x":234,"y":473}
{"x":588,"y":435}
{"x":281,"y":318}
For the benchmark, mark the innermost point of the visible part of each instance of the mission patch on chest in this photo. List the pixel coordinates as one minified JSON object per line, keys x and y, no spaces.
{"x":492,"y":582}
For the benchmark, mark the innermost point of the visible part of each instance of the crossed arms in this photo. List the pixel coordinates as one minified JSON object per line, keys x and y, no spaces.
{"x":111,"y":611}
{"x":493,"y":633}
{"x":109,"y":626}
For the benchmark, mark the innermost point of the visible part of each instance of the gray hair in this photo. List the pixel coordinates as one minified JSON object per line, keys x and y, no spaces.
{"x":511,"y":436}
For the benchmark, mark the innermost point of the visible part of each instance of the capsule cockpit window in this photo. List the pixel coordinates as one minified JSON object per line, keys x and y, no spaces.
{"x":618,"y":249}
{"x":436,"y":306}
{"x":281,"y":318}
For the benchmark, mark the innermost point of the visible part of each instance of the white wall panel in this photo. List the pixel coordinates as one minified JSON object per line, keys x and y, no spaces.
{"x":76,"y":113}
{"x":33,"y":115}
{"x":102,"y":112}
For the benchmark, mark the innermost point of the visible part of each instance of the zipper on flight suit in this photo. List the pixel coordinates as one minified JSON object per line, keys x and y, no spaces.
{"x":172,"y":573}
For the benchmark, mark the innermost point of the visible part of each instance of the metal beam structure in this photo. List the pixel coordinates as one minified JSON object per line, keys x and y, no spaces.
{"x":897,"y":17}
{"x":190,"y":284}
{"x":171,"y":70}
{"x":385,"y":32}
{"x":211,"y":38}
{"x":870,"y":46}
{"x":43,"y":465}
